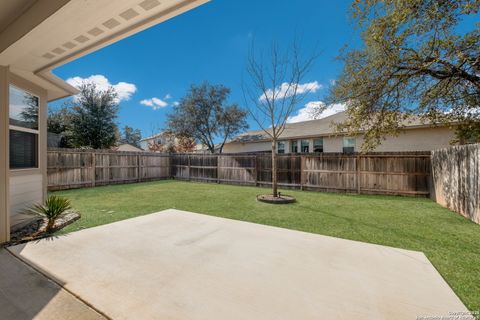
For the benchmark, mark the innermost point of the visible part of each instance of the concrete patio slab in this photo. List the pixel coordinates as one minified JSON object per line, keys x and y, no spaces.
{"x":180,"y":265}
{"x":26,"y":294}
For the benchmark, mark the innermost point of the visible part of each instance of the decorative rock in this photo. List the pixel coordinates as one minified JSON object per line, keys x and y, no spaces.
{"x":36,"y":229}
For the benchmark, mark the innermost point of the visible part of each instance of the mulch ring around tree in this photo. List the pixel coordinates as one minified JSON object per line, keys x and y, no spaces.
{"x":281,"y":199}
{"x":35,"y":229}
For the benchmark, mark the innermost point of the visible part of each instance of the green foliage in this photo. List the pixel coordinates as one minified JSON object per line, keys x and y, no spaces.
{"x":414,"y":62}
{"x":131,"y":136}
{"x":450,"y":241}
{"x":60,"y":122}
{"x":53,"y":209}
{"x":204,"y":115}
{"x":30,"y":113}
{"x":94,"y":117}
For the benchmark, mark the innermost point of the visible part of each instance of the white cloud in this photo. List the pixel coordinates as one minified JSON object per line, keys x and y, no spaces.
{"x":124,"y":90}
{"x":154,"y":103}
{"x":287,"y":90}
{"x":310,"y":111}
{"x":176,"y":103}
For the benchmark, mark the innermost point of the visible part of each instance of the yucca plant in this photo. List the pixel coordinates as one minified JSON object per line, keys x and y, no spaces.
{"x":54,"y":208}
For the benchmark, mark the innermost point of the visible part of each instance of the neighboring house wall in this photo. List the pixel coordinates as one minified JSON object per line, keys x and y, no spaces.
{"x":247,"y":147}
{"x":419,"y":139}
{"x":144,"y":145}
{"x":127,"y":147}
{"x":159,"y":139}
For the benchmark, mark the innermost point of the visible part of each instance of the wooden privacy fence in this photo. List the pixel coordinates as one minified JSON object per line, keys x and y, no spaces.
{"x":379,"y":173}
{"x":71,"y":168}
{"x":456,"y":179}
{"x":398,"y":173}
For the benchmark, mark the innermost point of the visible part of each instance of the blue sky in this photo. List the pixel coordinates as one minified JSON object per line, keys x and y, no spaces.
{"x":211,"y":43}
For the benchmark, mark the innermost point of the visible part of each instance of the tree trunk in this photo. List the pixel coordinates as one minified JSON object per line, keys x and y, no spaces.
{"x":50,"y":225}
{"x":274,"y":168}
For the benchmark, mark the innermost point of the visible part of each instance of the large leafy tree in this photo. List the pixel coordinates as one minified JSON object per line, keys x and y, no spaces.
{"x":60,"y":122}
{"x":415,"y":61}
{"x":205,"y":116}
{"x":94,"y":114}
{"x":131,"y":136}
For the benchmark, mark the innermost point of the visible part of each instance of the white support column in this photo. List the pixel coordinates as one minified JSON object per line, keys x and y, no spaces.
{"x":4,"y":157}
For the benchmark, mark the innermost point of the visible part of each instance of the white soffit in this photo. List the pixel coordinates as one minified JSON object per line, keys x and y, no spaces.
{"x":80,"y":27}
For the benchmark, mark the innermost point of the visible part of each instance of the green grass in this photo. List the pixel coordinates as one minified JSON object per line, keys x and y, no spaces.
{"x":451,"y":242}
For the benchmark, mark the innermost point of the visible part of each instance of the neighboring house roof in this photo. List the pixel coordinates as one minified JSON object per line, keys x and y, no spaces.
{"x":127,"y":147}
{"x":158,"y":135}
{"x":313,"y":128}
{"x":39,"y":36}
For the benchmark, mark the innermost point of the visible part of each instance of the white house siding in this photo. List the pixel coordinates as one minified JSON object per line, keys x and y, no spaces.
{"x":25,"y":190}
{"x":424,"y":139}
{"x":247,"y":147}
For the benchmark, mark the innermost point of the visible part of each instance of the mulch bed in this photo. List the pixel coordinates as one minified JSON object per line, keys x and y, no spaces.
{"x":36,"y":228}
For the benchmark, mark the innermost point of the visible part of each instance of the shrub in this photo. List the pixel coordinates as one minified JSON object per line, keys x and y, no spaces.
{"x":54,"y":208}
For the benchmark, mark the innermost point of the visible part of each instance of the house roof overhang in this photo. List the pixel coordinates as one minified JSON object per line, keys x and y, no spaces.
{"x":37,"y":36}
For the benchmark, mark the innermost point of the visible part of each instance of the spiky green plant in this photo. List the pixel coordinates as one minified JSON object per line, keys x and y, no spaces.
{"x":54,"y":208}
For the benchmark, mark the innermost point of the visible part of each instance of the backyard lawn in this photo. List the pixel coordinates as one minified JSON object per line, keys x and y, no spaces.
{"x":451,"y":242}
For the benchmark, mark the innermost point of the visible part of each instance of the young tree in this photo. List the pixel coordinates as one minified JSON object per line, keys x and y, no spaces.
{"x":185,"y":145}
{"x":414,"y":62}
{"x":131,"y":136}
{"x":204,"y":115}
{"x":94,"y":114}
{"x":274,"y":90}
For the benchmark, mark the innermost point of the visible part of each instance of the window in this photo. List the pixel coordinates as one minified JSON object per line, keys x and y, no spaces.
{"x":281,"y":146}
{"x":318,"y":145}
{"x":348,"y":145}
{"x":23,"y":119}
{"x":23,"y":109}
{"x":305,"y":145}
{"x":294,"y":144}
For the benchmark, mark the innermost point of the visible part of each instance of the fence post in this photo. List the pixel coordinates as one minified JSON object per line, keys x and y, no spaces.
{"x":359,"y":175}
{"x":94,"y":165}
{"x":188,"y":162}
{"x":138,"y":168}
{"x":255,"y":157}
{"x":218,"y":160}
{"x":302,"y":168}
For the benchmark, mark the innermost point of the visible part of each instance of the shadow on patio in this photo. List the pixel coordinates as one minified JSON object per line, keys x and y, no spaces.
{"x":28,"y":294}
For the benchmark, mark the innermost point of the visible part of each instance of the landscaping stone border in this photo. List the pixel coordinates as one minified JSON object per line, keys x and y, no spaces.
{"x":281,"y":199}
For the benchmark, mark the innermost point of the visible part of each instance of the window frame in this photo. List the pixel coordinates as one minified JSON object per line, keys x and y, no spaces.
{"x":26,"y":130}
{"x":294,"y":144}
{"x":348,"y":151}
{"x":307,"y":146}
{"x":278,"y":147}
{"x":314,"y":145}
